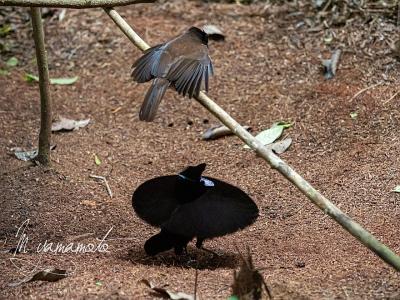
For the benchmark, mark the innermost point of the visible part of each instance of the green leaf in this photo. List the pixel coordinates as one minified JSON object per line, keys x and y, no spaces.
{"x":281,"y":146}
{"x":3,"y":72}
{"x":270,"y":135}
{"x":354,"y":115}
{"x":396,"y":189}
{"x":97,"y":160}
{"x":5,"y":29}
{"x":233,"y":297}
{"x":99,"y":283}
{"x":283,"y":123}
{"x":59,"y":81}
{"x":12,"y":62}
{"x":64,"y":81}
{"x":31,"y":78}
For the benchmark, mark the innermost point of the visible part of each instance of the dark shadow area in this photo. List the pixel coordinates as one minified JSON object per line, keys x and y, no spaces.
{"x":196,"y":259}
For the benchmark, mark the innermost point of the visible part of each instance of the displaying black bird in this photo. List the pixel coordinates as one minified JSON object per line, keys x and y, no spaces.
{"x":182,"y":62}
{"x":187,"y":206}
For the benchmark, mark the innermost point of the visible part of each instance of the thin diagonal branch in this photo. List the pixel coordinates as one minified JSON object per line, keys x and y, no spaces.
{"x":306,"y":188}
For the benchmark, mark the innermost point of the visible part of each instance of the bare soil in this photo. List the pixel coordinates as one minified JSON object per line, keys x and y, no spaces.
{"x":267,"y":70}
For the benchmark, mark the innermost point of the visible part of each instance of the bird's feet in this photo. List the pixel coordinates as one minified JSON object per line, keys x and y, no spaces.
{"x":215,"y":254}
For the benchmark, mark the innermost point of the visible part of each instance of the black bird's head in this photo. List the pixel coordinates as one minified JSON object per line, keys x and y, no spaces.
{"x":193,"y":173}
{"x":189,"y":185}
{"x":200,"y":34}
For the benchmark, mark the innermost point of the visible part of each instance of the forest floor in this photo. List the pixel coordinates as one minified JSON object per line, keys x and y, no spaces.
{"x":268,"y":69}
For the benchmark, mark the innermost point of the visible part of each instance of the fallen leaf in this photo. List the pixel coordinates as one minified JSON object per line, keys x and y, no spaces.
{"x":330,"y":65}
{"x":26,"y":155}
{"x":213,"y":32}
{"x":5,"y":29}
{"x":281,"y":146}
{"x":65,"y":124}
{"x":164,"y":293}
{"x":97,"y":160}
{"x":50,"y":275}
{"x":90,"y":203}
{"x":12,"y":62}
{"x":396,"y":189}
{"x":99,"y":283}
{"x":31,"y":78}
{"x":270,"y":135}
{"x":354,"y":115}
{"x":64,"y":81}
{"x":216,"y":132}
{"x":59,"y":81}
{"x":61,"y":16}
{"x":283,"y":123}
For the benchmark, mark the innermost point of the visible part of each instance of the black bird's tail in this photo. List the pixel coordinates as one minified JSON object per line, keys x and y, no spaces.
{"x":164,"y":241}
{"x":153,"y":98}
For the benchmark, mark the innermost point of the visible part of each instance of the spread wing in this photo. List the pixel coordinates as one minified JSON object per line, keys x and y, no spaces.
{"x":144,"y":67}
{"x":155,"y":200}
{"x":188,"y":74}
{"x":224,"y":209}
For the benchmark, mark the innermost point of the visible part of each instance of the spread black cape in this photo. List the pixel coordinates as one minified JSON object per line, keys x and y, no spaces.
{"x":188,"y":205}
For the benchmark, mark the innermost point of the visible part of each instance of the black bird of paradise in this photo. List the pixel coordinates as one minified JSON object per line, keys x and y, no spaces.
{"x":187,"y":206}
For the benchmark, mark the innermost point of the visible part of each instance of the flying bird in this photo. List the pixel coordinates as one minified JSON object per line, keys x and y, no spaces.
{"x":182,"y":62}
{"x":187,"y":206}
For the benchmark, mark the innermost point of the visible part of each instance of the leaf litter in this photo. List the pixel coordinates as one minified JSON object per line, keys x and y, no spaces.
{"x":65,"y":124}
{"x":270,"y":135}
{"x":57,"y":81}
{"x":164,"y":293}
{"x":50,"y":275}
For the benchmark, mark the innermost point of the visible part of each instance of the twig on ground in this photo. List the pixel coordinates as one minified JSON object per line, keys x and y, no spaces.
{"x":364,"y":90}
{"x":195,"y":284}
{"x":105,"y":182}
{"x":391,"y":98}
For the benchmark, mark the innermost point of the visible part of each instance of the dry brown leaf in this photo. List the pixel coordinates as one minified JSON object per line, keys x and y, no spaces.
{"x":50,"y":274}
{"x":164,"y":293}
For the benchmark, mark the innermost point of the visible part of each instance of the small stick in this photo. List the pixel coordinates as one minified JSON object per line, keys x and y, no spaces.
{"x":364,"y":90}
{"x":195,"y":284}
{"x":391,"y":98}
{"x":105,"y":182}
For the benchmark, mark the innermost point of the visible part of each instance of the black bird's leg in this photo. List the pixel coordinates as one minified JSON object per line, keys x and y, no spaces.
{"x":199,"y":245}
{"x":184,"y":256}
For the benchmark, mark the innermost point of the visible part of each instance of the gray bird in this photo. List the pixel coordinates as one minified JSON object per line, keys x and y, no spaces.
{"x":182,"y":62}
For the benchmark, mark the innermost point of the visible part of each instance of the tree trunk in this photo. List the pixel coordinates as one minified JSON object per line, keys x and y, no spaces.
{"x":45,"y":99}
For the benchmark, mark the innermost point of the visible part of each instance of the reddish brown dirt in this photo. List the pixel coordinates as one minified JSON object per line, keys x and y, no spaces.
{"x":261,"y":77}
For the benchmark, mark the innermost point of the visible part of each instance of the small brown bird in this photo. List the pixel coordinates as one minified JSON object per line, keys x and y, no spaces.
{"x":182,"y":62}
